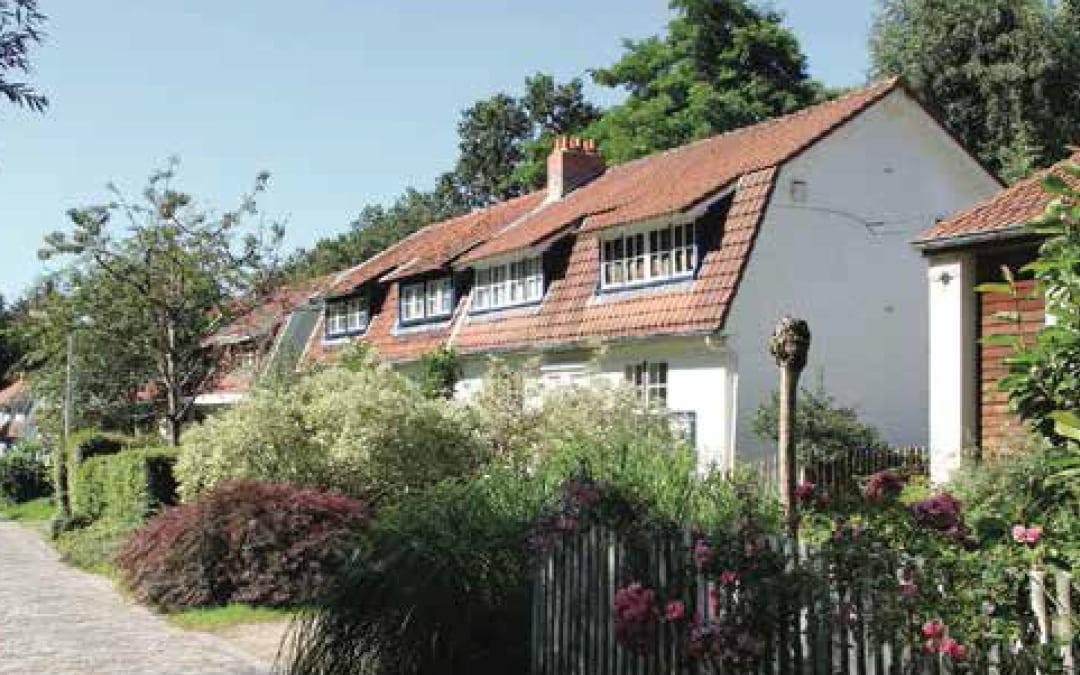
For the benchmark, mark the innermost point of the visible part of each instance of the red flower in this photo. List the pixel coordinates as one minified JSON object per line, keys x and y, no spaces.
{"x":933,"y":630}
{"x":729,"y":578}
{"x":953,"y":649}
{"x":703,"y":554}
{"x":804,"y":491}
{"x":674,"y":611}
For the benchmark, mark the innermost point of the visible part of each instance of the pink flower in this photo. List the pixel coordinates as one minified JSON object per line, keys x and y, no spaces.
{"x":674,"y":611}
{"x":882,"y":486}
{"x":729,"y":578}
{"x":703,"y":554}
{"x":933,"y":630}
{"x":1027,"y":535}
{"x":804,"y":491}
{"x":953,"y":649}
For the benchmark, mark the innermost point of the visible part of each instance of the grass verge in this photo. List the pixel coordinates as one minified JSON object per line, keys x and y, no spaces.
{"x":35,"y":511}
{"x":93,"y":547}
{"x":229,"y":615}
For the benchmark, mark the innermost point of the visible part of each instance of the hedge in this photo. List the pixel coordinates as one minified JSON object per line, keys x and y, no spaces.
{"x":127,"y":486}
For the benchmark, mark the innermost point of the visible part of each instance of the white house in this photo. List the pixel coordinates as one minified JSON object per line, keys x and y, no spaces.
{"x":670,"y":271}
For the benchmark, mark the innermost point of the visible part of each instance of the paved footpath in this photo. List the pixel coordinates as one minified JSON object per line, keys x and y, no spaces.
{"x":56,"y":620}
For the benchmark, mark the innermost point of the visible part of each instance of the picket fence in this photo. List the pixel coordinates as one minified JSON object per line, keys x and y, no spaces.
{"x":573,"y":629}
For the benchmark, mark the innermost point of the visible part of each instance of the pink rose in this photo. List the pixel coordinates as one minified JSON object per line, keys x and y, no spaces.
{"x":1027,"y":535}
{"x":804,"y":491}
{"x":932,"y":630}
{"x":953,"y":649}
{"x":674,"y":611}
{"x":702,"y":554}
{"x":729,"y":578}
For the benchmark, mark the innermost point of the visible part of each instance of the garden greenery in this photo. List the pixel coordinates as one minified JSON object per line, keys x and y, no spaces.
{"x":23,"y":474}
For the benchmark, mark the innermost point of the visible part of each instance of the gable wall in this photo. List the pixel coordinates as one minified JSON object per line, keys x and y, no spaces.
{"x":861,"y":288}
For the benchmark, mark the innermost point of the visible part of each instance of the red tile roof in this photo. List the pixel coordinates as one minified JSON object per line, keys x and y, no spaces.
{"x":746,"y":162}
{"x":266,"y":315}
{"x":436,"y":245}
{"x":1009,"y":209}
{"x":677,"y":180}
{"x":14,"y":393}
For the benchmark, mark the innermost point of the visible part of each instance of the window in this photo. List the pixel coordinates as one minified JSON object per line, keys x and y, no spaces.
{"x":651,"y":381}
{"x":427,"y":299}
{"x":346,"y":317}
{"x":515,"y":283}
{"x":669,"y":252}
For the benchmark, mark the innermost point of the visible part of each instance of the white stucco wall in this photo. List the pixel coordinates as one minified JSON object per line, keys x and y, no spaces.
{"x":701,"y":379}
{"x":951,"y":281}
{"x":841,"y":258}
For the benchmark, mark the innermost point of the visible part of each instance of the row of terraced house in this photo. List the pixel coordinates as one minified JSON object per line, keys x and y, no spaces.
{"x":670,"y":271}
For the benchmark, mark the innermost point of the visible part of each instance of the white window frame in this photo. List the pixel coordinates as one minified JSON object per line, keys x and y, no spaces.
{"x":640,"y":257}
{"x":652,"y":380}
{"x":346,"y":317}
{"x":511,"y":284}
{"x":426,"y":300}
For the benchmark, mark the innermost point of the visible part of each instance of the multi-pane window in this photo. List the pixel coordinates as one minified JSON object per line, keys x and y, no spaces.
{"x":668,"y":252}
{"x":515,"y":283}
{"x":427,"y":299}
{"x":346,"y":317}
{"x":650,"y":378}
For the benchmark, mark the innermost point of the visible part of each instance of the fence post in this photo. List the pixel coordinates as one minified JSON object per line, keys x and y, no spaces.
{"x":789,"y":345}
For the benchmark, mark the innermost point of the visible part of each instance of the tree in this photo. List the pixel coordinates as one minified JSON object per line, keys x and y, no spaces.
{"x":20,"y":28}
{"x":12,"y":346}
{"x":1004,"y":74}
{"x":505,"y":140}
{"x":722,"y":64}
{"x":166,"y":283}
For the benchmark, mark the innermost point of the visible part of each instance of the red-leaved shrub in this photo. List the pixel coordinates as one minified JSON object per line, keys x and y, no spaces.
{"x":257,"y":543}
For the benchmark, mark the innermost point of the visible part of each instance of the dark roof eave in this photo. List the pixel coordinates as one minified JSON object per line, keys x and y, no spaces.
{"x":1010,"y":233}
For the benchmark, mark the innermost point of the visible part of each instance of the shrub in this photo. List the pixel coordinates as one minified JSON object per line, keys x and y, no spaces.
{"x":92,"y":546}
{"x":125,"y":487}
{"x":440,"y":371}
{"x":351,"y":431}
{"x":440,"y":585}
{"x":242,"y":542}
{"x":23,"y":475}
{"x":826,"y":431}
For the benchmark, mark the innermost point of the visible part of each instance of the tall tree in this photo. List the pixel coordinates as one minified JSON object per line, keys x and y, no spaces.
{"x":722,"y":64}
{"x":168,"y":279}
{"x":504,"y":140}
{"x":21,"y":27}
{"x":1005,"y":74}
{"x":12,"y":346}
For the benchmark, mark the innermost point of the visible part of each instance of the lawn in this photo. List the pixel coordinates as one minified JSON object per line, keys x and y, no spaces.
{"x":229,"y":615}
{"x":36,"y":511}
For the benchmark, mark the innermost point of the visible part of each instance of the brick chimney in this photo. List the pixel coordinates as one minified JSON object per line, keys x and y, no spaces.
{"x":572,"y":163}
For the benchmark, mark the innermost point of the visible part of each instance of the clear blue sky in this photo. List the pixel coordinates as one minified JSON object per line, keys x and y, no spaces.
{"x":345,"y":103}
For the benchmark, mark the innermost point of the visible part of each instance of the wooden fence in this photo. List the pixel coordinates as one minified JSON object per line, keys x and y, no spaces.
{"x":835,"y":630}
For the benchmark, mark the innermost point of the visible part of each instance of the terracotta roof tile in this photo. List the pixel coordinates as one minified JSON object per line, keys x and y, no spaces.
{"x":572,"y":311}
{"x":1008,"y":209}
{"x":266,"y":315}
{"x":678,"y":179}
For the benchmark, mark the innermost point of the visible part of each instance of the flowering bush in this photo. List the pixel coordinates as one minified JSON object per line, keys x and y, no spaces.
{"x":255,"y":543}
{"x":351,"y":431}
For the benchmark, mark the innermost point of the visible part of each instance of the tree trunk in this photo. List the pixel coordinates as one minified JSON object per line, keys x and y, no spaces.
{"x":790,"y":346}
{"x":173,"y":411}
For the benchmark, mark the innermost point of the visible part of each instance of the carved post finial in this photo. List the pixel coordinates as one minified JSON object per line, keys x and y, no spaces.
{"x":790,"y":346}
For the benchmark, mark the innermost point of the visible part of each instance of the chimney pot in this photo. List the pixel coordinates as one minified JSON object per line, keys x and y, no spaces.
{"x":573,"y":162}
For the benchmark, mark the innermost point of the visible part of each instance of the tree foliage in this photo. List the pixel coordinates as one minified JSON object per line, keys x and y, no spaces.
{"x":722,"y":64}
{"x":148,"y":295}
{"x":13,"y":346}
{"x":1004,"y":74}
{"x":21,"y":27}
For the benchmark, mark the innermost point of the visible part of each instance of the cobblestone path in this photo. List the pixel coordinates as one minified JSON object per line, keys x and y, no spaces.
{"x":56,"y":620}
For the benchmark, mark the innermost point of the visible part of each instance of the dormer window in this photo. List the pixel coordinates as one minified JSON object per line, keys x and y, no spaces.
{"x":427,"y":300}
{"x":515,"y":283}
{"x":661,"y":254}
{"x":346,"y":317}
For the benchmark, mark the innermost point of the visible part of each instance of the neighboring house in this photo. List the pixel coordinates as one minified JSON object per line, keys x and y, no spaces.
{"x":670,"y":271}
{"x":271,"y":335}
{"x":16,"y":413}
{"x":967,"y":410}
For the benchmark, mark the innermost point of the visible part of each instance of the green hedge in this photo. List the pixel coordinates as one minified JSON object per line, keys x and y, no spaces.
{"x":125,"y":487}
